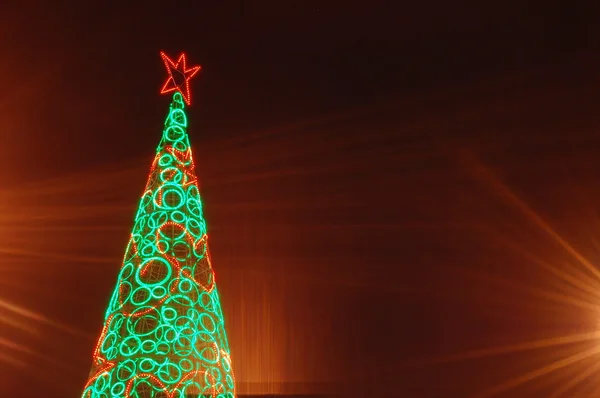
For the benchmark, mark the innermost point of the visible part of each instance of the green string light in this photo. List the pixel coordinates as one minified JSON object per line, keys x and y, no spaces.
{"x":164,"y":332}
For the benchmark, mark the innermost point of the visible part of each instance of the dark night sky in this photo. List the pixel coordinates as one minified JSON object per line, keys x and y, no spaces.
{"x":400,"y":197}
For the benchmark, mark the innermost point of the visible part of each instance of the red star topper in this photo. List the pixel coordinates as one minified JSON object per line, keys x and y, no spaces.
{"x":179,"y":76}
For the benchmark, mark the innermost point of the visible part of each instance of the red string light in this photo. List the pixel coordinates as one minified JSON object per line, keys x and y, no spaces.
{"x":96,"y":355}
{"x":99,"y":373}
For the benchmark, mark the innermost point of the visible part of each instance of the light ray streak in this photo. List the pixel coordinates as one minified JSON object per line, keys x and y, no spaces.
{"x":54,"y":256}
{"x":507,"y":193}
{"x":576,"y":380}
{"x":534,"y":374}
{"x":19,"y":325}
{"x":12,"y":360}
{"x":535,"y":291}
{"x":519,"y":347}
{"x":66,"y":183}
{"x":596,"y":392}
{"x":62,"y":213}
{"x":24,"y":349}
{"x":41,"y":291}
{"x":563,"y":275}
{"x":59,"y":228}
{"x":36,"y":317}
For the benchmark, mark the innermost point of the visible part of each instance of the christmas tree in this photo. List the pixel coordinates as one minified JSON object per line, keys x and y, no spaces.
{"x":164,"y":333}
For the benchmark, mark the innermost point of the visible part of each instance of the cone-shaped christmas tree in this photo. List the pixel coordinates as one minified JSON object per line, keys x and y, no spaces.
{"x":164,"y":333}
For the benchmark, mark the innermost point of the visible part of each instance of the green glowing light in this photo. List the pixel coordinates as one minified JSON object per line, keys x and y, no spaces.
{"x":164,"y":333}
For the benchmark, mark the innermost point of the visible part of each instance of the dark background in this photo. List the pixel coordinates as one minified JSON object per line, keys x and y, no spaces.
{"x":402,"y":197}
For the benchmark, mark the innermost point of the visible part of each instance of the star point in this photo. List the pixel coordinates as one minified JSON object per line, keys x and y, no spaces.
{"x":178,"y":76}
